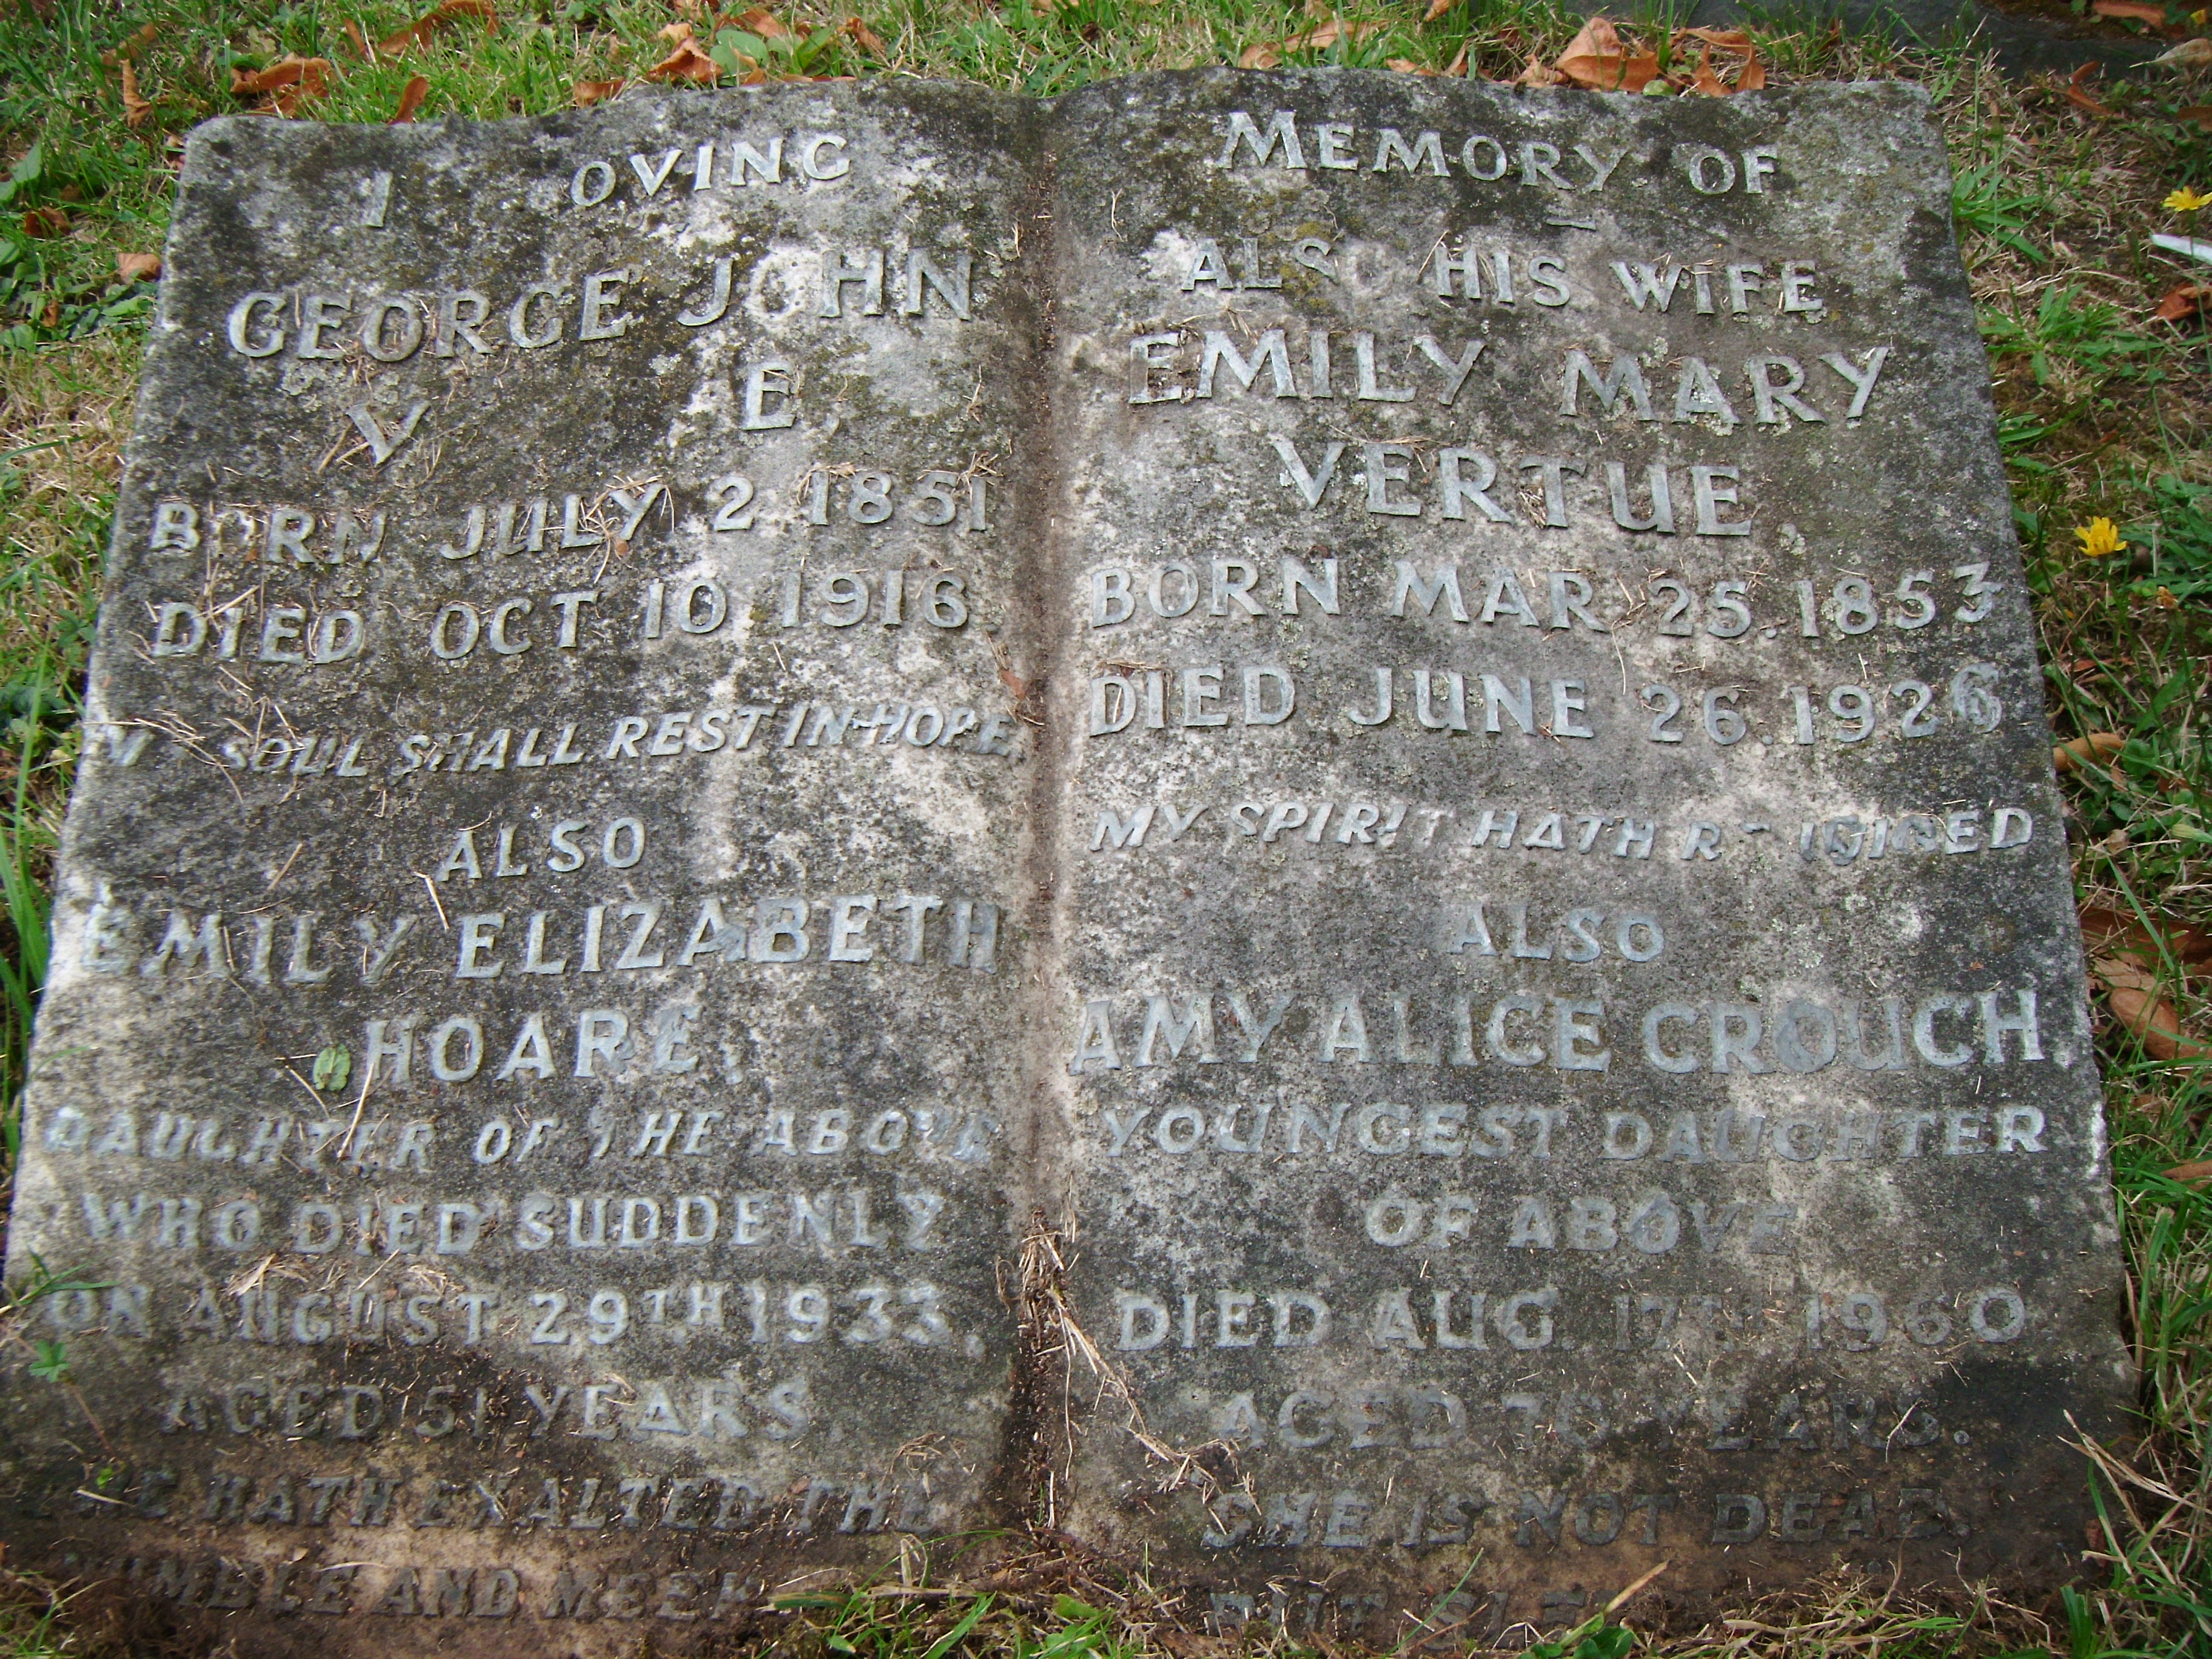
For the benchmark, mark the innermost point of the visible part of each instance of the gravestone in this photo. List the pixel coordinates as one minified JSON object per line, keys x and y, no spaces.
{"x":1374,"y":742}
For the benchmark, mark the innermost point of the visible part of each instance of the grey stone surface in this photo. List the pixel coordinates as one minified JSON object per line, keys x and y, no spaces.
{"x":1612,"y":1041}
{"x":730,"y":1198}
{"x":1632,"y":1103}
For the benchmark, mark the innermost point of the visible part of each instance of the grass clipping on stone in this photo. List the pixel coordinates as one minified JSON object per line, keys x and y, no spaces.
{"x":2102,"y":371}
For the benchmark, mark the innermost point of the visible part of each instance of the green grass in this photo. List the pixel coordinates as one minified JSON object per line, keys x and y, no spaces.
{"x":2104,"y":412}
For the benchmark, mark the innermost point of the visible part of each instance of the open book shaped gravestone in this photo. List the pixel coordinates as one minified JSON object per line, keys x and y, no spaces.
{"x":1299,"y":823}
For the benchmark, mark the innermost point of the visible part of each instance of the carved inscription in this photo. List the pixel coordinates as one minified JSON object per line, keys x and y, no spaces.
{"x":1559,"y":816}
{"x":527,"y":1098}
{"x":1402,"y":713}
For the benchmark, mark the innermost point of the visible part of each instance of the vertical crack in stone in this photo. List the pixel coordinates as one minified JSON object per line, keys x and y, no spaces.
{"x":1022,"y":1484}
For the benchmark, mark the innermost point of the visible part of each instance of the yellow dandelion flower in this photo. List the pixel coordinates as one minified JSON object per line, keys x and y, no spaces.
{"x":2099,"y":537}
{"x":2186,"y":200}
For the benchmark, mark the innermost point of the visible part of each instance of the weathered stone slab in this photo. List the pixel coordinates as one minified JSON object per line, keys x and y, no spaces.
{"x":1524,"y":943}
{"x":586,"y":713}
{"x":1577,"y":1057}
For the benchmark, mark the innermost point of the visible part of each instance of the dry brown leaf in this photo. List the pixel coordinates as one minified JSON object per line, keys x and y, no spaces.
{"x":131,"y":45}
{"x":1458,"y":64}
{"x":2077,"y":92}
{"x":2113,"y":936}
{"x":588,"y":92}
{"x":1750,"y":73}
{"x":418,"y":32}
{"x":1599,"y":57}
{"x":688,"y":63}
{"x":314,"y":81}
{"x":2106,"y":933}
{"x":2185,"y":301}
{"x":2122,"y":972}
{"x":1539,"y":74}
{"x":2200,"y":1170}
{"x":2190,"y":55}
{"x":289,"y":82}
{"x":136,"y":109}
{"x":2200,"y":113}
{"x":1438,"y":8}
{"x":410,"y":99}
{"x":45,"y":222}
{"x":1267,"y":54}
{"x":759,"y":21}
{"x":2087,"y":752}
{"x":2152,"y":1020}
{"x":675,"y":33}
{"x":138,"y":267}
{"x":864,"y":38}
{"x":251,"y":83}
{"x":360,"y":40}
{"x":2140,"y":10}
{"x":1330,"y":32}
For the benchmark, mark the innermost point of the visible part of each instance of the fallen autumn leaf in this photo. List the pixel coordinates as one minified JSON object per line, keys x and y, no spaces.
{"x":2141,"y":10}
{"x":136,"y":109}
{"x":1269,"y":54}
{"x":2077,"y":92}
{"x":760,"y":21}
{"x":1598,"y":58}
{"x":2180,"y":303}
{"x":2153,"y":1022}
{"x":289,"y":82}
{"x":1539,"y":74}
{"x":2087,"y":752}
{"x":1751,"y":73}
{"x":688,"y":63}
{"x":419,"y":31}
